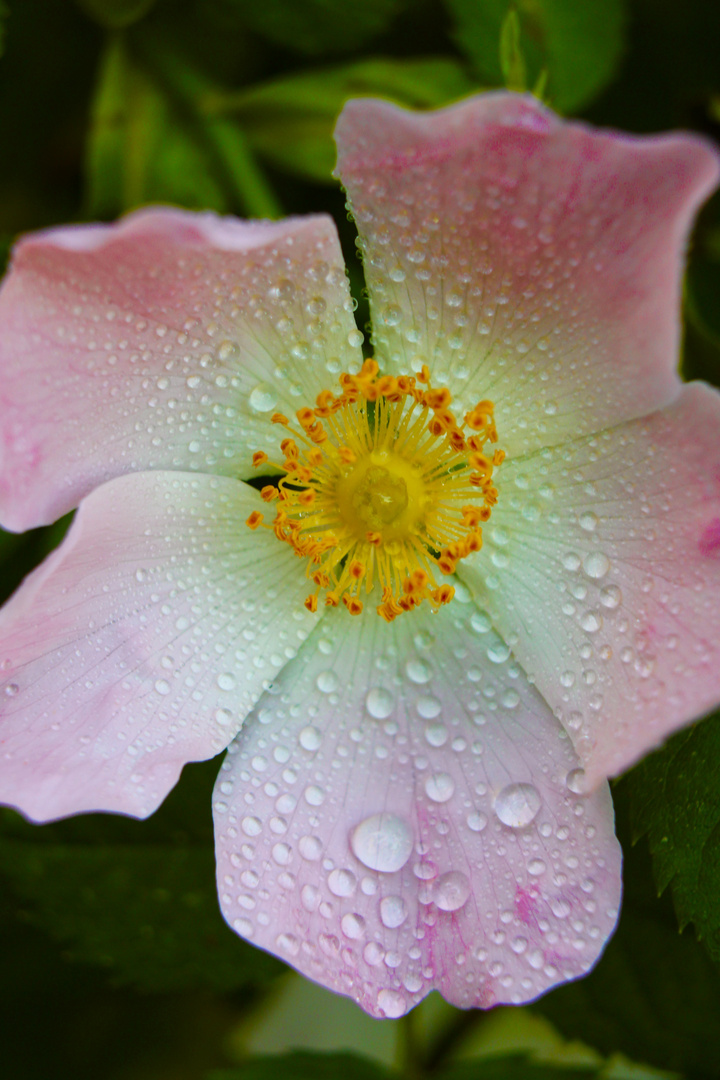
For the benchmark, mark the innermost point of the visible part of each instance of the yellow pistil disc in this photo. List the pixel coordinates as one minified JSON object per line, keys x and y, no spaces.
{"x":381,"y":485}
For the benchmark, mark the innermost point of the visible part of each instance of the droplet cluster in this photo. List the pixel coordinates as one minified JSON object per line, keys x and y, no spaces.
{"x":402,"y":812}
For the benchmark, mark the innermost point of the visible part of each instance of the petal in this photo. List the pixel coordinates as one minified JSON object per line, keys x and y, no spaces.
{"x":602,"y":567}
{"x":396,"y":817}
{"x":163,"y":342}
{"x":141,"y":643}
{"x":526,"y":260}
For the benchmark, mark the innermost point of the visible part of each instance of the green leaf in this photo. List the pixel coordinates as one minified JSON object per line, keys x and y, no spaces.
{"x":675,"y":799}
{"x":115,"y":14}
{"x":306,"y":1065}
{"x":315,"y":27}
{"x":3,"y":16}
{"x":515,"y":1067}
{"x":139,"y":149}
{"x":138,"y":898}
{"x":655,"y":994}
{"x":149,"y":143}
{"x":290,"y":121}
{"x":579,"y":43}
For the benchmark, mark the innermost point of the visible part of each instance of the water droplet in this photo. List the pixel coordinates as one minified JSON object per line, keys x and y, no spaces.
{"x":429,"y":707}
{"x":610,"y":597}
{"x":498,"y":652}
{"x":418,"y":671}
{"x":223,"y":717}
{"x":314,"y":795}
{"x":226,"y":681}
{"x":12,"y":689}
{"x":591,"y":621}
{"x":353,"y":926}
{"x":310,"y":897}
{"x":476,"y":821}
{"x":517,"y":805}
{"x":262,"y":398}
{"x":575,"y":781}
{"x":342,"y":882}
{"x":439,"y":787}
{"x":327,"y":682}
{"x":436,"y":735}
{"x":588,"y":521}
{"x":451,"y":890}
{"x":373,"y":954}
{"x":251,"y":826}
{"x":392,"y":1003}
{"x":596,"y":564}
{"x":310,"y":738}
{"x":393,"y":911}
{"x":379,"y":703}
{"x":310,"y":848}
{"x":382,"y":842}
{"x":162,"y":686}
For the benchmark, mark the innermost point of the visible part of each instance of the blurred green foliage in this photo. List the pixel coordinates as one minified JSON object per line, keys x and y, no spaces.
{"x":114,"y":959}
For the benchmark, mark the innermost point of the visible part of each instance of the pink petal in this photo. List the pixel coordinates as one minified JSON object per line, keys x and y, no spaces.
{"x":163,"y":342}
{"x":400,"y":814}
{"x":526,"y":260}
{"x":602,"y":565}
{"x":141,"y":644}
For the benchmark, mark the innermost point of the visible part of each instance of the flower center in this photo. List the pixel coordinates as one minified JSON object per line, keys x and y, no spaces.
{"x":382,"y":485}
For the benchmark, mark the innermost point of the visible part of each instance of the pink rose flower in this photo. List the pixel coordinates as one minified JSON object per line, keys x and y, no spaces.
{"x":418,"y":800}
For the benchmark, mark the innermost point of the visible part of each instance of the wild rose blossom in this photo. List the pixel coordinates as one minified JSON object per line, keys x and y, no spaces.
{"x":417,"y":800}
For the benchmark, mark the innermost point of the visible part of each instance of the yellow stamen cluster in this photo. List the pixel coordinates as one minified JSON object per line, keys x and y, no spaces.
{"x":382,"y":485}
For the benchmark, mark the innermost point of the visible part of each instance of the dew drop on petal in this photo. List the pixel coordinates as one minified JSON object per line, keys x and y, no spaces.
{"x":382,"y":842}
{"x":392,"y":1003}
{"x":310,"y":738}
{"x":379,"y":703}
{"x":596,"y":564}
{"x":393,"y":911}
{"x":575,"y":781}
{"x":451,"y":890}
{"x":262,"y":398}
{"x":327,"y":682}
{"x":342,"y":882}
{"x":517,"y":805}
{"x":352,"y":926}
{"x":476,"y":821}
{"x":439,"y":787}
{"x":310,"y":848}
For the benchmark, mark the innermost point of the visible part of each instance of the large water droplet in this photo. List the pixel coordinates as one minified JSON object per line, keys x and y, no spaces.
{"x":393,"y":911}
{"x":451,"y":890}
{"x":379,"y":703}
{"x":262,"y":398}
{"x":517,"y":805}
{"x":440,"y":787}
{"x":353,"y":926}
{"x":382,"y":842}
{"x":498,"y":652}
{"x":596,"y":564}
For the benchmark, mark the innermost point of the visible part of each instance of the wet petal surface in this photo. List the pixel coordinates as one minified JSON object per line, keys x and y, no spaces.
{"x":141,"y":644}
{"x":401,"y":813}
{"x":532,"y":261}
{"x":601,"y":565}
{"x":163,"y":342}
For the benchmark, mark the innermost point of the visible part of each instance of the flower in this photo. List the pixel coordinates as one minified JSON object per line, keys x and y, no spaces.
{"x":417,"y":800}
